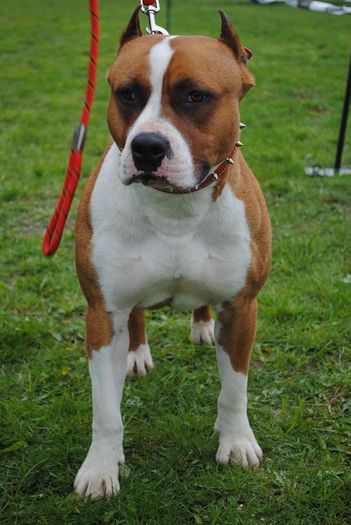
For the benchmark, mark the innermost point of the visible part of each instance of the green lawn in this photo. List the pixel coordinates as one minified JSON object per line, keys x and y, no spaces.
{"x":300,"y":376}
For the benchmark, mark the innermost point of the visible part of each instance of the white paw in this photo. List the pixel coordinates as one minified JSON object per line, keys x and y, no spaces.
{"x":202,"y":332}
{"x":98,"y":476}
{"x":241,"y":449}
{"x":140,"y":361}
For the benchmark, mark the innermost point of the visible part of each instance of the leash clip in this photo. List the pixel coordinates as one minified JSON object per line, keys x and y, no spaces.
{"x":150,"y":8}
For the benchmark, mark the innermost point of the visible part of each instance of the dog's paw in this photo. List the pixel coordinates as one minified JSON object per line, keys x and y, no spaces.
{"x":98,"y":476}
{"x":239,"y":449}
{"x":202,"y":332}
{"x":140,"y":361}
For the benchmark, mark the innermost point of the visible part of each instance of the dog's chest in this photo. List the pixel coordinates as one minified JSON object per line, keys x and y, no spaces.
{"x":149,"y":248}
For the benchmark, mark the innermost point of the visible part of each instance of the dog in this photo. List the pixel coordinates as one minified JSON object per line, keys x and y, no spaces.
{"x":171,"y":216}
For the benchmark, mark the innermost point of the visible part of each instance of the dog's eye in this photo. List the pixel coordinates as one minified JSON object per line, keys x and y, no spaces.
{"x":127,"y":95}
{"x":197,"y":97}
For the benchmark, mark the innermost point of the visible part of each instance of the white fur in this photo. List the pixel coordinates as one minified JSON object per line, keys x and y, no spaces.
{"x":202,"y":331}
{"x":98,"y":475}
{"x":140,"y":361}
{"x":179,"y":170}
{"x":237,"y":443}
{"x":150,"y":246}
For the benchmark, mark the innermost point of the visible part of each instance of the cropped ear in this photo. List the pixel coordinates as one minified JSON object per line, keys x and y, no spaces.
{"x":230,"y":38}
{"x":133,"y":28}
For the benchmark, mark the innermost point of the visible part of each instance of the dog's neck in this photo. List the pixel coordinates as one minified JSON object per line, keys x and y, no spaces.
{"x":173,"y":214}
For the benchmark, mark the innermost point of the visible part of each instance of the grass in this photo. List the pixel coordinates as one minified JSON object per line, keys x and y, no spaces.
{"x":299,"y":378}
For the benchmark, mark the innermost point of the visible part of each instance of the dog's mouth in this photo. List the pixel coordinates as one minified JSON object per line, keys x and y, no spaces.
{"x":161,"y":183}
{"x":152,"y":181}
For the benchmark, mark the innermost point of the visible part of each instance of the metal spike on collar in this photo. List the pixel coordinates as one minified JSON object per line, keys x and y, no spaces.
{"x":242,"y":125}
{"x":215,"y":175}
{"x":239,"y":144}
{"x":229,"y":160}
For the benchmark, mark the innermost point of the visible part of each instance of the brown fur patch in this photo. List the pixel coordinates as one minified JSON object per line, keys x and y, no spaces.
{"x":246,"y":188}
{"x":202,"y":314}
{"x":130,"y":66}
{"x":136,"y":327}
{"x":238,"y":318}
{"x":99,"y":330}
{"x":133,"y":28}
{"x":238,"y":330}
{"x":211,"y":138}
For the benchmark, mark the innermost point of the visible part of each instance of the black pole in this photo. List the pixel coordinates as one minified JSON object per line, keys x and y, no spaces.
{"x":343,"y":124}
{"x":168,"y":15}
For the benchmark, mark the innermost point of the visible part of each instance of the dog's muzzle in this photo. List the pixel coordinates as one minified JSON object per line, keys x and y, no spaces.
{"x":149,"y":150}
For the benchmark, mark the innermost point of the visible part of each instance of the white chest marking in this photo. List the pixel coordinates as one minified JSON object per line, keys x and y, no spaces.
{"x":150,"y":246}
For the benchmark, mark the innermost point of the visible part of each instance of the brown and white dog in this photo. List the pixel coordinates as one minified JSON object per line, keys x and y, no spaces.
{"x":174,"y":118}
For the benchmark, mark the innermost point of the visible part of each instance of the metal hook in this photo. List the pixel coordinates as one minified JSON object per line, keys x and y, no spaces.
{"x":150,"y":11}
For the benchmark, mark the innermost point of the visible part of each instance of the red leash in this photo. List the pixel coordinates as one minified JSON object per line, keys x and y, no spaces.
{"x":57,"y":222}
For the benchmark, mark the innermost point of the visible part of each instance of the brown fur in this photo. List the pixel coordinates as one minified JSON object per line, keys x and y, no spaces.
{"x":133,"y":29}
{"x":238,"y":330}
{"x":231,"y":38}
{"x":238,"y":319}
{"x":130,"y":64}
{"x":202,"y":314}
{"x":99,"y":331}
{"x":136,"y":327}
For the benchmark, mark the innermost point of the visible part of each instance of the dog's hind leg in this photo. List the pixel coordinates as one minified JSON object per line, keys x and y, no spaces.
{"x":235,"y":333}
{"x":139,"y":355}
{"x":202,"y":326}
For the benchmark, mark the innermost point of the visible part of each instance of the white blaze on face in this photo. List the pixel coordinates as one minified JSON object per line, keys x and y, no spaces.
{"x":178,"y":170}
{"x":159,"y":59}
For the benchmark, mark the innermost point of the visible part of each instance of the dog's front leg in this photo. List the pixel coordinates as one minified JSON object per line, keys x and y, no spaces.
{"x":235,"y":333}
{"x":98,"y":476}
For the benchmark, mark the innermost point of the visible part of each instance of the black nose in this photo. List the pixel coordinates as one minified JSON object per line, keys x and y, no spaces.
{"x":149,"y":150}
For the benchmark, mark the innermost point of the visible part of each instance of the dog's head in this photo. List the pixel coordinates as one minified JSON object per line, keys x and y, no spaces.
{"x":174,"y":106}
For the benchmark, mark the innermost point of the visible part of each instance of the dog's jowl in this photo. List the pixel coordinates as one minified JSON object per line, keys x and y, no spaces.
{"x":171,"y":216}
